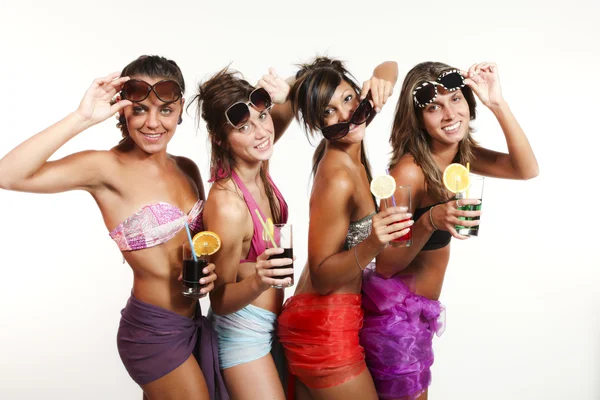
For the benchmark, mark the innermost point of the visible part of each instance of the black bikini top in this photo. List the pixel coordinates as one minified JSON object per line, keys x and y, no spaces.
{"x":438,"y":238}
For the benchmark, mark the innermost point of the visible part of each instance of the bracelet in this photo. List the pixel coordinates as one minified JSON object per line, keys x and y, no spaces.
{"x":356,"y":258}
{"x":431,"y":218}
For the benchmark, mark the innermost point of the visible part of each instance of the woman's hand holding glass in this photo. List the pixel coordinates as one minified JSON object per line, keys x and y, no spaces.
{"x":268,"y":274}
{"x":208,"y":280}
{"x":445,"y":216}
{"x":387,"y":225}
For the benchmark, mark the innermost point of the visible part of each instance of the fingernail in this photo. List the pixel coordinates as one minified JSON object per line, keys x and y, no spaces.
{"x":202,"y":281}
{"x":409,"y":215}
{"x":377,"y":110}
{"x":411,"y":222}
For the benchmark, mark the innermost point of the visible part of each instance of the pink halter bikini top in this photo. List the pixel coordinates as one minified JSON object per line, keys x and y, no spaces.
{"x":155,"y":224}
{"x":257,"y":246}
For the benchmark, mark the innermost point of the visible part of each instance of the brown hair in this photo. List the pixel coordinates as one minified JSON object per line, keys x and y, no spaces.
{"x":214,"y":97}
{"x":410,"y":137}
{"x":152,"y":67}
{"x":314,"y":86}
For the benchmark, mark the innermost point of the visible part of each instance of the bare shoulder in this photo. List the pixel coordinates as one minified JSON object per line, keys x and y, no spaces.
{"x":333,"y":176}
{"x":333,"y":190}
{"x":334,"y":171}
{"x":187,"y":166}
{"x":190,"y":168}
{"x":100,"y":156}
{"x":224,"y":203}
{"x":407,"y":171}
{"x":103,"y":162}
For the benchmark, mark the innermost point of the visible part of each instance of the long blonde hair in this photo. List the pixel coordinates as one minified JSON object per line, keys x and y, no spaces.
{"x":410,"y":137}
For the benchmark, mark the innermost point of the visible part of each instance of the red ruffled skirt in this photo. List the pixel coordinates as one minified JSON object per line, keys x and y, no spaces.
{"x":319,"y":335}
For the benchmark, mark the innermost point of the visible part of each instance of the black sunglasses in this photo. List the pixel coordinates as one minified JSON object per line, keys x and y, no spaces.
{"x":239,"y":113}
{"x":427,"y":92}
{"x":137,"y":90}
{"x":363,"y":113}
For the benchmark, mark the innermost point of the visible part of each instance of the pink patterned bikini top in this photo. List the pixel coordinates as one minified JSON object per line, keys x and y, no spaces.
{"x":155,"y":224}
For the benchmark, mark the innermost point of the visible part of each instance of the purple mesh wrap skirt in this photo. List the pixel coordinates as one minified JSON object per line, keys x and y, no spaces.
{"x":397,"y":335}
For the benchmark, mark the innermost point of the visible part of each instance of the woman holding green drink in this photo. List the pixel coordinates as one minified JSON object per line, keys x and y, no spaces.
{"x":431,"y":131}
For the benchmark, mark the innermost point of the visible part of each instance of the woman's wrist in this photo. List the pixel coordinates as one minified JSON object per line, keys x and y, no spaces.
{"x":79,"y":123}
{"x":499,"y":108}
{"x":435,"y":228}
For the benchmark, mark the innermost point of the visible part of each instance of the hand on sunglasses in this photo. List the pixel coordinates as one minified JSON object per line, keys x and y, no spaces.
{"x":380,"y":89}
{"x":483,"y":79}
{"x":363,"y":114}
{"x":277,"y":87}
{"x":97,"y":103}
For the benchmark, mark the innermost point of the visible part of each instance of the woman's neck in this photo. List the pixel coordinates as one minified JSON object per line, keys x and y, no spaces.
{"x":135,"y":153}
{"x":443,"y":155}
{"x":248,"y":173}
{"x":354,"y":150}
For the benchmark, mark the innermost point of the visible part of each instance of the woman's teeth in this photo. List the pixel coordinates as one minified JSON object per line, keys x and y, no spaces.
{"x":452,"y":127}
{"x":263,"y":145}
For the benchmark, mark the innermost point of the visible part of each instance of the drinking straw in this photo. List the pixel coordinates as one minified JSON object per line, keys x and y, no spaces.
{"x":387,"y":171}
{"x":187,"y":229}
{"x":265,"y":228}
{"x":468,"y":171}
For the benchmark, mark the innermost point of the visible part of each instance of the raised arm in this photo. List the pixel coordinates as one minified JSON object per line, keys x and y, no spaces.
{"x":25,"y":168}
{"x":330,"y":265}
{"x":226,"y":215}
{"x":381,"y":84}
{"x":520,"y":162}
{"x":279,"y":90}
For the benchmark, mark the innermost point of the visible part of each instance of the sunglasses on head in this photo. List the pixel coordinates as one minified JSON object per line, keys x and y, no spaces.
{"x":427,"y":91}
{"x":136,"y":90}
{"x":363,"y":113}
{"x":239,"y":113}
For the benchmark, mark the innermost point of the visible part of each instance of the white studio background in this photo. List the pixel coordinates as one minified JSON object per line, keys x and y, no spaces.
{"x":523,"y":309}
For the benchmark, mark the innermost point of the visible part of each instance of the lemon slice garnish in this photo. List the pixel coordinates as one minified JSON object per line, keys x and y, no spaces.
{"x":456,"y":178}
{"x":383,"y":186}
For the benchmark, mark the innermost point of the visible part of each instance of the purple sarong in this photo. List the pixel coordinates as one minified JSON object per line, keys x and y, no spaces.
{"x":153,"y":341}
{"x":397,"y":335}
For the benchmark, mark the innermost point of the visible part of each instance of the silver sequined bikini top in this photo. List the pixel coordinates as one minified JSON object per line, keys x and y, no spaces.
{"x":358,"y":231}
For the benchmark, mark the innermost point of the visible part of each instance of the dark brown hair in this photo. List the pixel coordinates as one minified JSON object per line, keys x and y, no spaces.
{"x":152,"y":67}
{"x":314,"y":86}
{"x":410,"y":137}
{"x":214,"y":97}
